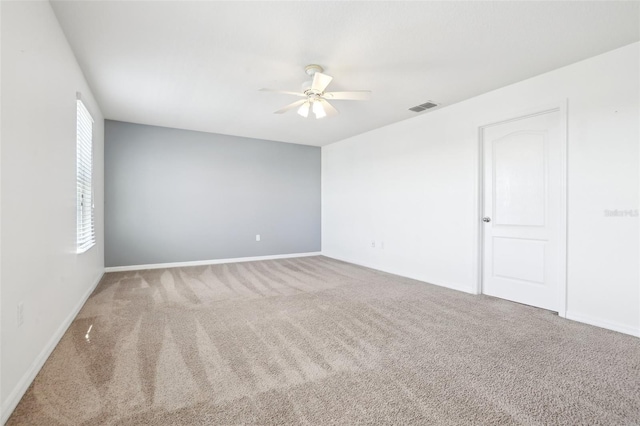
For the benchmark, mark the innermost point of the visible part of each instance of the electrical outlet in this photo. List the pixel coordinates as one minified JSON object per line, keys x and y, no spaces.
{"x":257,"y":237}
{"x":20,"y":314}
{"x":381,"y":245}
{"x":373,"y":244}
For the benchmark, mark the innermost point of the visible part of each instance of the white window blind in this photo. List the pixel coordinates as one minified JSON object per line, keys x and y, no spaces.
{"x":86,"y":236}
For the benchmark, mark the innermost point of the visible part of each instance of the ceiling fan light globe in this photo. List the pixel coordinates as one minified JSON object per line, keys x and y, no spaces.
{"x":318,"y":110}
{"x":304,"y":110}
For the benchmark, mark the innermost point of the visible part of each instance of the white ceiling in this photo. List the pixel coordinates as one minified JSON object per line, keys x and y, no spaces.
{"x":199,"y":65}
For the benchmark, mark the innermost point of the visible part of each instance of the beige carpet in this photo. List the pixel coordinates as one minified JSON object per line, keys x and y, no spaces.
{"x":317,"y":341}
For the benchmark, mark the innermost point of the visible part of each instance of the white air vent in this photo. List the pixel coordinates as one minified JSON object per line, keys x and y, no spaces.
{"x":425,"y":106}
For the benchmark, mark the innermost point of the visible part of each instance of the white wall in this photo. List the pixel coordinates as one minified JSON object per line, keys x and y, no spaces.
{"x":413,"y":185}
{"x":1,"y":405}
{"x":40,"y":78}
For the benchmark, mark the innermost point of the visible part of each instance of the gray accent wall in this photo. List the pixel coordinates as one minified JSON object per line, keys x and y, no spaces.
{"x":176,"y":195}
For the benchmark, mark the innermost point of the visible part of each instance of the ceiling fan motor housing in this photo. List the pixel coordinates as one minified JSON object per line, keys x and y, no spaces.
{"x":306,"y":86}
{"x":310,"y":70}
{"x":307,"y":90}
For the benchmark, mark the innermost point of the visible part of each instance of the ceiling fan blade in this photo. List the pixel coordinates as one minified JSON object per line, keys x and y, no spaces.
{"x":328,"y":108}
{"x":291,"y":106}
{"x":355,"y":95}
{"x":320,"y":81}
{"x":283,"y":92}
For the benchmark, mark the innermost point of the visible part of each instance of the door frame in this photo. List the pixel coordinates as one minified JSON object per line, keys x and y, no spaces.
{"x":561,"y":107}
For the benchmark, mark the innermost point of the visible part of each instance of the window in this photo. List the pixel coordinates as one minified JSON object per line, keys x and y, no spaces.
{"x":86,"y":235}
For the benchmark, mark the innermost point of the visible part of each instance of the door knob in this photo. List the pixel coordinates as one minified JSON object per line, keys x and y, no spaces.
{"x":486,"y":219}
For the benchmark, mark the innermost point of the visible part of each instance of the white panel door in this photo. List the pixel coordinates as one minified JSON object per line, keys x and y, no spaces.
{"x":522,"y":221}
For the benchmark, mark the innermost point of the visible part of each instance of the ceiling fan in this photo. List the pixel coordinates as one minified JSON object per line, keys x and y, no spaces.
{"x":315,"y":97}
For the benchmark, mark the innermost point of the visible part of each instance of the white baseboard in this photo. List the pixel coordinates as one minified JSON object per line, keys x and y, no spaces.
{"x":610,"y":325}
{"x":377,"y":268}
{"x":207,"y":262}
{"x":18,"y":392}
